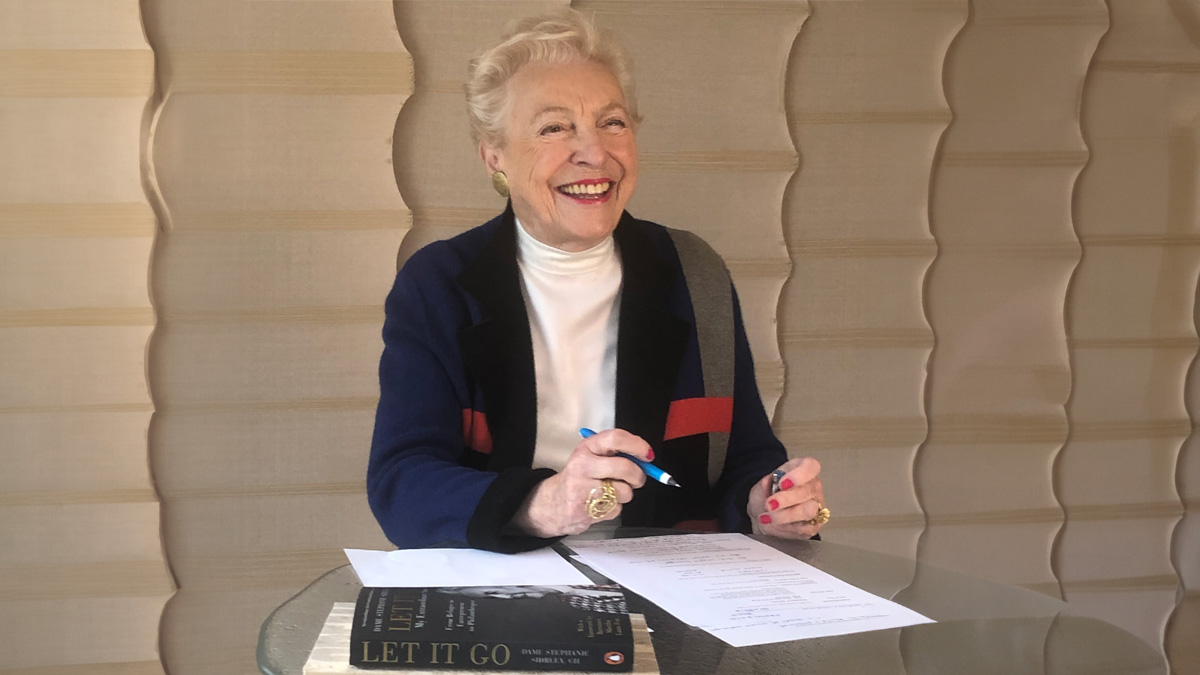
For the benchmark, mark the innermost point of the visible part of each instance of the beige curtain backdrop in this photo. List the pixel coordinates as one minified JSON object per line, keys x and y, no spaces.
{"x":279,"y":222}
{"x":964,"y":233}
{"x":79,"y":517}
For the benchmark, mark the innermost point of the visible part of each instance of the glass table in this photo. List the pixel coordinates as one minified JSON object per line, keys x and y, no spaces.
{"x":982,"y":627}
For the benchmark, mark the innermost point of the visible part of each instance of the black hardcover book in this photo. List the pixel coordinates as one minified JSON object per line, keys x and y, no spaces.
{"x":493,"y":628}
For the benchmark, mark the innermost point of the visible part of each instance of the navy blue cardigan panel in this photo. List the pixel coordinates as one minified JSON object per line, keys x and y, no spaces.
{"x":451,"y":458}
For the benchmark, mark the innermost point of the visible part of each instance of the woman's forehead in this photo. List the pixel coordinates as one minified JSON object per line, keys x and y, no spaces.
{"x":539,"y":88}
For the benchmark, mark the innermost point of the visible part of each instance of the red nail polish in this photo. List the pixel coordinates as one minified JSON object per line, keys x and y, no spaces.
{"x":787,"y":484}
{"x":650,"y":455}
{"x":765,"y":519}
{"x":773,"y":504}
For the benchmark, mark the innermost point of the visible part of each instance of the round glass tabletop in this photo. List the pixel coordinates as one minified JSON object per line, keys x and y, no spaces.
{"x":982,"y":627}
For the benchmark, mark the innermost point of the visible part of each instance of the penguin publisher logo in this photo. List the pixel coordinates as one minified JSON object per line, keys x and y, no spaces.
{"x":614,"y":658}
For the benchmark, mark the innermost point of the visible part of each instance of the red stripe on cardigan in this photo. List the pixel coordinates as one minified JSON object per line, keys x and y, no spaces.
{"x":690,"y":416}
{"x":475,"y":431}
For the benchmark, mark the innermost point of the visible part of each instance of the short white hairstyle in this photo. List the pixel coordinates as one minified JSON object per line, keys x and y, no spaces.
{"x":558,"y":38}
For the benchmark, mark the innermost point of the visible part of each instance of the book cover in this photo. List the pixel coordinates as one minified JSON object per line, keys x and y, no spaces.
{"x":584,"y":628}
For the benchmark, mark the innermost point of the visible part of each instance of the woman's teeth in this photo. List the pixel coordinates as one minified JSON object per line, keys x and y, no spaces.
{"x":579,"y":189}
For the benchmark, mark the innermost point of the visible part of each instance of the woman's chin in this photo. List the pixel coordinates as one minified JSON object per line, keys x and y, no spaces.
{"x":591,"y":222}
{"x":572,"y":225}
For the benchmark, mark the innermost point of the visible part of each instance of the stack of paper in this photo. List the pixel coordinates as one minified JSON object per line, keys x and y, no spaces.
{"x":740,"y":590}
{"x":416,"y":568}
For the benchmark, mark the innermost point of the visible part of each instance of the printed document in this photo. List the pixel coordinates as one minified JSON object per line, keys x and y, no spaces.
{"x":414,"y":568}
{"x":740,"y":590}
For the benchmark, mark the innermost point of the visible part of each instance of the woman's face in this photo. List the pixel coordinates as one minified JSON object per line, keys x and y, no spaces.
{"x":569,"y":153}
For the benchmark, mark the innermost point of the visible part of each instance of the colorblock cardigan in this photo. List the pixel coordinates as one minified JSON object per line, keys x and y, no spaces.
{"x":455,"y":428}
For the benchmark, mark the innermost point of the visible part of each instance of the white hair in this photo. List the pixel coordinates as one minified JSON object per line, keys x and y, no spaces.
{"x":561,"y":37}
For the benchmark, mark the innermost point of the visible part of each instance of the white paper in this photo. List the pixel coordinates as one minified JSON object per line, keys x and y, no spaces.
{"x":412,"y":568}
{"x":741,"y":590}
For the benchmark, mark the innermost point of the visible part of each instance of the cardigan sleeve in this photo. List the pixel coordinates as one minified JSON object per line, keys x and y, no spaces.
{"x":418,"y":490}
{"x":753,"y":451}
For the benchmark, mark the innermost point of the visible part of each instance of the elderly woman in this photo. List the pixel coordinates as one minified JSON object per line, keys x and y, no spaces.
{"x":566,"y":312}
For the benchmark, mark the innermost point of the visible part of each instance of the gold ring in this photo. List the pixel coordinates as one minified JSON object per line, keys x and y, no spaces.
{"x":600,"y":505}
{"x":822,"y":516}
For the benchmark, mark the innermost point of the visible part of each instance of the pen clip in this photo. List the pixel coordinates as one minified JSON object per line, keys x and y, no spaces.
{"x":776,"y":476}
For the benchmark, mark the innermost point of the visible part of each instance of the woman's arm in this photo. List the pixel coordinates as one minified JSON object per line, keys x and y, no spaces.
{"x":417,"y":488}
{"x":754,"y":452}
{"x":753,"y":449}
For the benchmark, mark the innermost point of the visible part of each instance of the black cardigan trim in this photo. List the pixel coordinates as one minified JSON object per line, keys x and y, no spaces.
{"x":498,"y":351}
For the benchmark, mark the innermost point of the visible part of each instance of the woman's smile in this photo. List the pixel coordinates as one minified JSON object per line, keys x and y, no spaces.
{"x":588,"y":190}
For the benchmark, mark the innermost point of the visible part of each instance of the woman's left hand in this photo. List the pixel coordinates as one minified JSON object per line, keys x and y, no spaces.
{"x":788,"y":513}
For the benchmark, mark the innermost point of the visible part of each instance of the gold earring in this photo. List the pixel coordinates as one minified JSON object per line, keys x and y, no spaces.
{"x":500,"y":184}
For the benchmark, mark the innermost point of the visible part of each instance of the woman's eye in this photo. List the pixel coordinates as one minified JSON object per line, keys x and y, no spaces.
{"x":616,"y":123}
{"x":552,"y":129}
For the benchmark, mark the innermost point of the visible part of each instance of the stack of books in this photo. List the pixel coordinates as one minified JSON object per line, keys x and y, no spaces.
{"x":516,"y":629}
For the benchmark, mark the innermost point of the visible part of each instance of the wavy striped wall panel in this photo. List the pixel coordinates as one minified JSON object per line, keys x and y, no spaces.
{"x":974,"y":339}
{"x":1131,"y":325}
{"x":1183,"y":649}
{"x":79,"y":518}
{"x":271,"y":149}
{"x":714,"y":152}
{"x":866,"y":108}
{"x":1001,"y":214}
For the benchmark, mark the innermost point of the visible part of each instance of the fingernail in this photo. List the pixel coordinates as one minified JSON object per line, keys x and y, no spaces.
{"x":786,"y":484}
{"x":650,"y":455}
{"x":773,"y":504}
{"x":765,"y":519}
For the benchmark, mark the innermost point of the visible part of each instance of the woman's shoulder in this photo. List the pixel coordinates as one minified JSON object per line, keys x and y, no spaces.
{"x":673,"y":243}
{"x":446,"y":258}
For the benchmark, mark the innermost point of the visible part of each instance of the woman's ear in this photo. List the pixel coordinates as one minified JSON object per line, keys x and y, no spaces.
{"x":490,"y":155}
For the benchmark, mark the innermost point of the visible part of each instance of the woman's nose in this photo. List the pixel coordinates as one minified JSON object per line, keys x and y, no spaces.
{"x":588,"y":147}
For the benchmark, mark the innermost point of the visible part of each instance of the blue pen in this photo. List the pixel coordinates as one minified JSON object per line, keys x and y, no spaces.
{"x":646,"y":467}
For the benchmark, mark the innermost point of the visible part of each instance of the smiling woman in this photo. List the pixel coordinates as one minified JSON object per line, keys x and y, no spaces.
{"x":565,"y":312}
{"x":569,"y":152}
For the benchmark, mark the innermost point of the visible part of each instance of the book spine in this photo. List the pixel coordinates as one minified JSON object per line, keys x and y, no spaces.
{"x":451,"y":655}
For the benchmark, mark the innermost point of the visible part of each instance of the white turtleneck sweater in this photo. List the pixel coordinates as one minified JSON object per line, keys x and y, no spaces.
{"x":574,"y":302}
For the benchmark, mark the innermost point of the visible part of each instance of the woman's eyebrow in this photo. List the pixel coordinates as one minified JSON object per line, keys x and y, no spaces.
{"x":551,"y":109}
{"x":615,"y":105}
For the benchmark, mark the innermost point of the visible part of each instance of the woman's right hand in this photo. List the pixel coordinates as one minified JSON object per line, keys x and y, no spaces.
{"x":558,"y":505}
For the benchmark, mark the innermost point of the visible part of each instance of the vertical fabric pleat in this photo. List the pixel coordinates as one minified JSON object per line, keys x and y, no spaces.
{"x":1130,"y":321}
{"x":271,"y":155}
{"x":865,"y":105}
{"x":1001,"y":212}
{"x":79,"y":517}
{"x":1182,"y":647}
